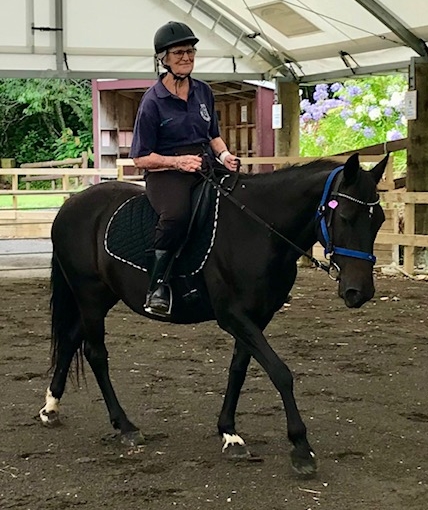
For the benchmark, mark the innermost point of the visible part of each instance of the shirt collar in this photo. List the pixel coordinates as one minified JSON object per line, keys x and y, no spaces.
{"x":162,"y":91}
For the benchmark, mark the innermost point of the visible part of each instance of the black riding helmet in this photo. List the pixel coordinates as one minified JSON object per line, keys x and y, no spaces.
{"x":172,"y":34}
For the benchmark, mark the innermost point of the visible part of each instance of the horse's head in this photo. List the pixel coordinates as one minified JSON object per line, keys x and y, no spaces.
{"x":350,"y":218}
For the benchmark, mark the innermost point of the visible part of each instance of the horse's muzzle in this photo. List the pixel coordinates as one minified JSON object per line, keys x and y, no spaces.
{"x":354,"y":298}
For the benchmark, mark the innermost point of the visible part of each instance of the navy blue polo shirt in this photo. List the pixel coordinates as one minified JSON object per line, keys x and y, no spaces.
{"x":165,"y":122}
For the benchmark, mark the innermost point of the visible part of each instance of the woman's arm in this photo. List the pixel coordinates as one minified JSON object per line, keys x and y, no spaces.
{"x":154,"y":162}
{"x":218,"y":146}
{"x":221,"y":152}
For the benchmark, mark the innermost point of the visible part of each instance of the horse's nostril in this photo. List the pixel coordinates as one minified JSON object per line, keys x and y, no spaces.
{"x":353,"y":298}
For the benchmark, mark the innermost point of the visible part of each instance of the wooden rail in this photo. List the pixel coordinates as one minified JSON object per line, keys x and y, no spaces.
{"x":58,"y":173}
{"x":379,"y":148}
{"x":81,"y":162}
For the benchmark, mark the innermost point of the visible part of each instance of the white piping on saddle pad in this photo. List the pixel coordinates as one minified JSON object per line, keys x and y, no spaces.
{"x":217,"y":203}
{"x":136,"y":266}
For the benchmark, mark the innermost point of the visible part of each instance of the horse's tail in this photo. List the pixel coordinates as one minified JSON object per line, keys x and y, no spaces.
{"x":65,"y":315}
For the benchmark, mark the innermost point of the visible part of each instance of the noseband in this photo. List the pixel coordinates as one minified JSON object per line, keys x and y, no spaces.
{"x":325,"y":214}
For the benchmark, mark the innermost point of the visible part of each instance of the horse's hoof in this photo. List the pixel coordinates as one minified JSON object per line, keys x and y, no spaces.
{"x":133,"y":439}
{"x":303,"y":463}
{"x":237,"y":452}
{"x":50,"y":418}
{"x":234,"y":447}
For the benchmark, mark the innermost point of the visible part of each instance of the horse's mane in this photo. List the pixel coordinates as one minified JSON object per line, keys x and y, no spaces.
{"x":317,"y":165}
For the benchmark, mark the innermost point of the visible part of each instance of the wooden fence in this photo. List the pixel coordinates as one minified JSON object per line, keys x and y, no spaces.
{"x":81,"y":162}
{"x":17,"y":223}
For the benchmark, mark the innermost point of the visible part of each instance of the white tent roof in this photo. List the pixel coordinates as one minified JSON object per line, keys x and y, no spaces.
{"x":312,"y":40}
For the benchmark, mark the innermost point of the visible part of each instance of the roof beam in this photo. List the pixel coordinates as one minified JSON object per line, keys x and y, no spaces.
{"x":385,"y":17}
{"x":392,"y":67}
{"x":231,"y":85}
{"x":119,"y":75}
{"x":239,"y":33}
{"x":59,"y":35}
{"x":253,"y":28}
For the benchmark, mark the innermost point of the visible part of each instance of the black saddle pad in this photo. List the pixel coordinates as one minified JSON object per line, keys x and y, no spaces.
{"x":131,"y":231}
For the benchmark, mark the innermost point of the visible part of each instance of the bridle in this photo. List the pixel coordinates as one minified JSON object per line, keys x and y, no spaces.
{"x":324,"y":216}
{"x":325,"y":213}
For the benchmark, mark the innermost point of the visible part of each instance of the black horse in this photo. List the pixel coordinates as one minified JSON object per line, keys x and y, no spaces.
{"x":247,"y":277}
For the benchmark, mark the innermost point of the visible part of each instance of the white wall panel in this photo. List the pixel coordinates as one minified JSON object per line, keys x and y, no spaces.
{"x":14,"y":20}
{"x":103,"y":38}
{"x":125,"y":25}
{"x":44,"y":16}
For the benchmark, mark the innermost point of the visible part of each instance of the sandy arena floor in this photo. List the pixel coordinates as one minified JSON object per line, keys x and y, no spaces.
{"x":360,"y":382}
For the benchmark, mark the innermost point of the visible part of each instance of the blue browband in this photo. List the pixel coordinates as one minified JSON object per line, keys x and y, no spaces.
{"x":329,"y":248}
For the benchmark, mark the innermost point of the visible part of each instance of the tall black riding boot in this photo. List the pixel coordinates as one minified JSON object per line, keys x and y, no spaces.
{"x":158,"y":299}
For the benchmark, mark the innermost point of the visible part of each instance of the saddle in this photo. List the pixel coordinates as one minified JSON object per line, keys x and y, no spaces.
{"x":130,"y":232}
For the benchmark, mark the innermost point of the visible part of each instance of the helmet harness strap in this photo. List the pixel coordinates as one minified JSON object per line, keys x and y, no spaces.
{"x":177,"y":77}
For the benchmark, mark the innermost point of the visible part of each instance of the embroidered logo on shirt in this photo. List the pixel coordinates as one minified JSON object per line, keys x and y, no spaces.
{"x":164,"y":122}
{"x":204,"y":112}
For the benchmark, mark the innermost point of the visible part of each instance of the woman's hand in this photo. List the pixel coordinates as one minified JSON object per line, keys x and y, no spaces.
{"x":231,"y":162}
{"x":188,"y":163}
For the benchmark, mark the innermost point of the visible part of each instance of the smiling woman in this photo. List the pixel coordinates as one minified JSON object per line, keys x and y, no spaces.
{"x":176,"y":123}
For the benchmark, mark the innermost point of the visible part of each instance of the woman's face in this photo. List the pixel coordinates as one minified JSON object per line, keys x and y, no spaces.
{"x":181,"y":59}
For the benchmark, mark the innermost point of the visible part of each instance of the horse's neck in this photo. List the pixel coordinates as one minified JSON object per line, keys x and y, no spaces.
{"x":288,"y":202}
{"x":291,"y":192}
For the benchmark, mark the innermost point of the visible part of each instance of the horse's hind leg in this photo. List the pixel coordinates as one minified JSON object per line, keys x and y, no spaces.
{"x":67,"y":337}
{"x":233,"y":445}
{"x":65,"y":352}
{"x":78,"y":314}
{"x":97,"y":356}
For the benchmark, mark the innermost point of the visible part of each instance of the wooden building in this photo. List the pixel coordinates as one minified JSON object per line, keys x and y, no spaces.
{"x":244,"y":111}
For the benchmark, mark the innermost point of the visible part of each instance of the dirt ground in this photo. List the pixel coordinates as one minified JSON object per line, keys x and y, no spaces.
{"x":360,"y":382}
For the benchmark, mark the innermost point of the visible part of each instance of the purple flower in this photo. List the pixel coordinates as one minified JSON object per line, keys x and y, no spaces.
{"x":393,"y":134}
{"x":329,"y":104}
{"x":356,"y":127}
{"x":368,"y":132}
{"x":321,"y":92}
{"x":306,"y":117}
{"x":345,"y":113}
{"x":388,"y":111}
{"x":317,"y":113}
{"x":335,"y":87}
{"x":305,"y":105}
{"x":354,"y":90}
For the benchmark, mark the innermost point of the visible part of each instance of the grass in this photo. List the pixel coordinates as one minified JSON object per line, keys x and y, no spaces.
{"x":32,"y":201}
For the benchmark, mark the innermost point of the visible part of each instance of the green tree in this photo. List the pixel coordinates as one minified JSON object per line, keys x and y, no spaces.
{"x":45,"y":118}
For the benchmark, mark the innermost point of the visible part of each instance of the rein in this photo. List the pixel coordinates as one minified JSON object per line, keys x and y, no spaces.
{"x":254,"y":216}
{"x":332,"y":268}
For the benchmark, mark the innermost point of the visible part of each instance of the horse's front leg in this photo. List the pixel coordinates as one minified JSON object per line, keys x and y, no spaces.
{"x":233,"y":444}
{"x":253,"y":340}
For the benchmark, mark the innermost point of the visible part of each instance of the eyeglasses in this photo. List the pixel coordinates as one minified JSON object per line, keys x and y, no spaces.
{"x":180,"y":53}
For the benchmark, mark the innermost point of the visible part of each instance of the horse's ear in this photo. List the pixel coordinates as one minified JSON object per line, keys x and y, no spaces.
{"x":351,"y":168}
{"x":378,"y":170}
